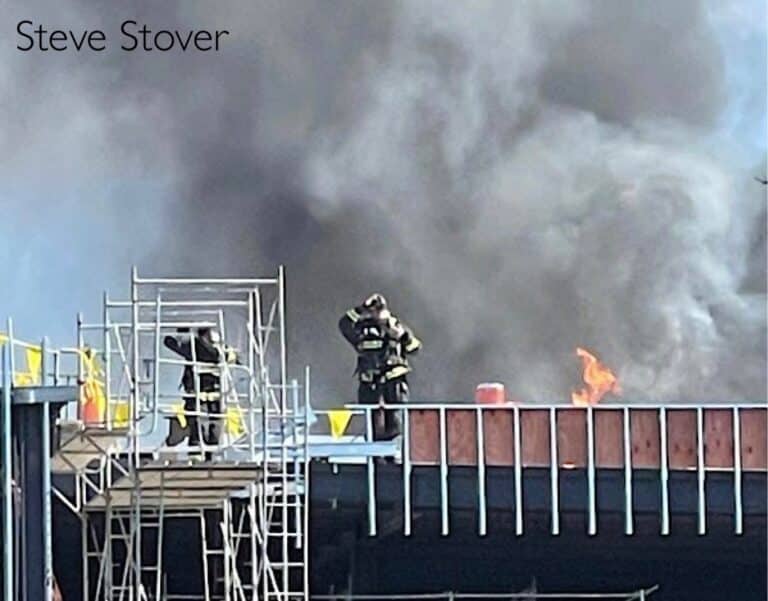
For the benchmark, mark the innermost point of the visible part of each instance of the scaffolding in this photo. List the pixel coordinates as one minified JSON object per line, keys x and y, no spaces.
{"x":244,"y":485}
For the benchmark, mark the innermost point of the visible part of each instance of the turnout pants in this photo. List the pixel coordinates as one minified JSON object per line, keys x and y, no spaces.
{"x":386,"y":422}
{"x":206,"y":427}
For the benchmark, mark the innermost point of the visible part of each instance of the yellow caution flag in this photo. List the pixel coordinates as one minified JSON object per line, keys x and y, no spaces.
{"x":178,"y":411}
{"x":34,"y":362}
{"x":31,"y":377}
{"x":121,"y":414}
{"x":234,"y":422}
{"x":339,"y":420}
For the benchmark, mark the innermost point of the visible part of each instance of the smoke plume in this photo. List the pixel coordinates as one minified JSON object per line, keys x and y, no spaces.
{"x":518,"y":178}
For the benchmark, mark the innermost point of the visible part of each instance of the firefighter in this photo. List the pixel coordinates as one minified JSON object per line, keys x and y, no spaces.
{"x":209,"y":352}
{"x":383,"y":344}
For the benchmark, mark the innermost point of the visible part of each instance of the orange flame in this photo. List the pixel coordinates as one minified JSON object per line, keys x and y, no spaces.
{"x":598,"y":378}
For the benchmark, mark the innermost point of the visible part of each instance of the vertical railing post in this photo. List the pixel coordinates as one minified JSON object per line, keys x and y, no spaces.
{"x":737,"y":501}
{"x":47,"y":489}
{"x":443,"y":473}
{"x":518,"y":472}
{"x":371,"y":475}
{"x":554,"y":472}
{"x":481,"y":482}
{"x":406,"y":454}
{"x":591,"y":480}
{"x":701,"y":471}
{"x":628,"y":501}
{"x":664,"y":471}
{"x":8,"y":570}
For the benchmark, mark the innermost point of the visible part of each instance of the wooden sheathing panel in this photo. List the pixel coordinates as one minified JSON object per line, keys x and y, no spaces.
{"x":718,"y":438}
{"x":462,"y":436}
{"x":644,"y":427}
{"x":424,"y":430}
{"x":499,"y":436}
{"x":609,"y":448}
{"x":572,"y":437}
{"x":681,"y":439}
{"x":534,"y":440}
{"x":609,"y":441}
{"x":754,"y":446}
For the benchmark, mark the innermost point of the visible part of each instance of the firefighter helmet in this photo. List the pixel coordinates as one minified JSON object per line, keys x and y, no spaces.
{"x":375,"y":301}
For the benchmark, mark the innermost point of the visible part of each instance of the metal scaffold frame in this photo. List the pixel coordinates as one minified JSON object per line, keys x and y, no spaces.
{"x":246,"y":488}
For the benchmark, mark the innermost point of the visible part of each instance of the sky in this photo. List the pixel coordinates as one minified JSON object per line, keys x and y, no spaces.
{"x":741,"y":27}
{"x":517,"y":180}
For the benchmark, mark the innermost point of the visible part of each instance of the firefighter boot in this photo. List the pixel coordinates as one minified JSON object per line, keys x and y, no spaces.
{"x":176,"y":433}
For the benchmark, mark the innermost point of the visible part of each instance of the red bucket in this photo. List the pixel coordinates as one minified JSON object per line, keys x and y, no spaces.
{"x":490,"y":393}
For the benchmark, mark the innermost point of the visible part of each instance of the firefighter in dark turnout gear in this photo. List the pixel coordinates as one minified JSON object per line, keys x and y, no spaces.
{"x":210,"y":353}
{"x":383,"y":344}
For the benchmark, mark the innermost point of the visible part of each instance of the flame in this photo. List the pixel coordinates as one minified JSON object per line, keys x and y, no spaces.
{"x":598,"y":378}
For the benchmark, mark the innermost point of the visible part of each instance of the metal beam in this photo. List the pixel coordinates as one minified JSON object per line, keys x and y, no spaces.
{"x":6,"y":473}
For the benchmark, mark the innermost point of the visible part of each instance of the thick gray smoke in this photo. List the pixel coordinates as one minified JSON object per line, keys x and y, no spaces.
{"x":519,"y":178}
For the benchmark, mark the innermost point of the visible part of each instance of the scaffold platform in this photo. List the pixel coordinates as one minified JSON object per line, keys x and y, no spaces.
{"x":179,"y":485}
{"x":80,"y":445}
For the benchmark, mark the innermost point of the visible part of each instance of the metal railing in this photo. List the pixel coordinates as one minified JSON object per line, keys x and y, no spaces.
{"x":552,"y":410}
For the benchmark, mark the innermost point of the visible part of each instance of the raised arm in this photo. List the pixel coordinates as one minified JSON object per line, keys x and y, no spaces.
{"x":179,"y":347}
{"x":348,"y":324}
{"x":404,"y":334}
